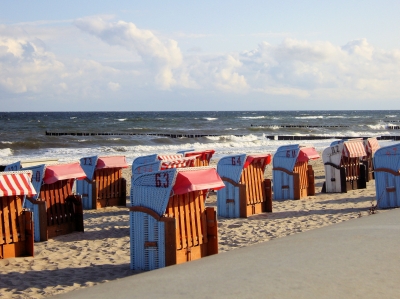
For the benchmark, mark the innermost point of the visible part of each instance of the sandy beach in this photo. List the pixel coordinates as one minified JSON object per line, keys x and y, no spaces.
{"x":101,"y":253}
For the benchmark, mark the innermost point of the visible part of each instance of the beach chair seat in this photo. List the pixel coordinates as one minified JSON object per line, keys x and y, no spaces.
{"x":104,"y":185}
{"x":16,"y":225}
{"x":246,"y":191}
{"x":292,"y":177}
{"x":169,"y":223}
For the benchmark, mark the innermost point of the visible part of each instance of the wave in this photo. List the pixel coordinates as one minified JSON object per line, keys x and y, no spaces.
{"x":73,"y":117}
{"x":390,"y":116}
{"x":5,"y":152}
{"x":7,"y":142}
{"x":309,"y":117}
{"x":210,"y":118}
{"x":252,"y":117}
{"x":121,"y":119}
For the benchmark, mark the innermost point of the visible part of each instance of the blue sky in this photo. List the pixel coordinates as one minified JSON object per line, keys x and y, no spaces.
{"x":203,"y":55}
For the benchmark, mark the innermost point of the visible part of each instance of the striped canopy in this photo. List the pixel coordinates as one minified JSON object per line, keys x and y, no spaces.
{"x":16,"y":183}
{"x":178,"y":163}
{"x":371,"y":145}
{"x":354,"y":148}
{"x":170,"y":157}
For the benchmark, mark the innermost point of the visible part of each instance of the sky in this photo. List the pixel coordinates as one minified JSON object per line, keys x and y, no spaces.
{"x":199,"y":55}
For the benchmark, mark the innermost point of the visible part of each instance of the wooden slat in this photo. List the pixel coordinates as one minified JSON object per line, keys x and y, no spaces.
{"x":2,"y":241}
{"x":188,"y":220}
{"x":6,"y":216}
{"x":181,"y":220}
{"x":192,"y":199}
{"x":197,"y":213}
{"x":13,"y":218}
{"x":20,"y":217}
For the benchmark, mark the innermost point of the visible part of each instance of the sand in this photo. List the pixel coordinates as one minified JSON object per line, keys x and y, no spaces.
{"x":101,"y":253}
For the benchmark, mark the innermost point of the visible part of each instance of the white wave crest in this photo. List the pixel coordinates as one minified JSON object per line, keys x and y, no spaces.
{"x":210,"y":118}
{"x":121,"y":119}
{"x":252,"y":117}
{"x":309,"y":117}
{"x":7,"y":142}
{"x":5,"y":152}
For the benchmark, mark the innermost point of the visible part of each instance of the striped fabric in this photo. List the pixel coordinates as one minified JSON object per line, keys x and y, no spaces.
{"x":16,"y":183}
{"x":371,"y":145}
{"x":178,"y":163}
{"x":170,"y":157}
{"x":354,"y":149}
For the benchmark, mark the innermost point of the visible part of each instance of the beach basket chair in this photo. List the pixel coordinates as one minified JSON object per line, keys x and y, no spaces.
{"x":57,"y":211}
{"x":246,"y":191}
{"x":292,"y":176}
{"x":387,"y":176}
{"x":203,"y":157}
{"x":169,"y":223}
{"x":343,"y":165}
{"x":16,"y":224}
{"x":371,"y":146}
{"x":16,"y":166}
{"x":104,"y":185}
{"x":144,"y":160}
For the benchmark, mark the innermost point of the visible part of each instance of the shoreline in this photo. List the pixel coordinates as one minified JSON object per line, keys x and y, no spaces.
{"x":102,"y":252}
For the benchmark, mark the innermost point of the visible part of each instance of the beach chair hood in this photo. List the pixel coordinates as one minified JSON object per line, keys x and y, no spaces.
{"x":307,"y":153}
{"x":111,"y":162}
{"x":189,"y":180}
{"x":354,"y":148}
{"x":60,"y":172}
{"x":16,"y":183}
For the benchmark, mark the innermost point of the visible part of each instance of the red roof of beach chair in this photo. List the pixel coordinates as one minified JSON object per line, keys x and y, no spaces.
{"x":187,"y":181}
{"x":354,"y":148}
{"x":266,"y":157}
{"x":60,"y":172}
{"x":307,"y":153}
{"x":16,"y":184}
{"x":111,"y":162}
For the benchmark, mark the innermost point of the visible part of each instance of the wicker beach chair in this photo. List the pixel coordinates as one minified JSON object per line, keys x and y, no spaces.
{"x":371,"y":146}
{"x":247,"y":192}
{"x":343,"y":165}
{"x":292,"y":177}
{"x":387,"y":176}
{"x":169,"y":223}
{"x":16,"y":225}
{"x":57,"y":211}
{"x":104,"y":185}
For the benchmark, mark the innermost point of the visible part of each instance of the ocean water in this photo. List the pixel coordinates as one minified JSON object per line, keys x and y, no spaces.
{"x":23,"y":135}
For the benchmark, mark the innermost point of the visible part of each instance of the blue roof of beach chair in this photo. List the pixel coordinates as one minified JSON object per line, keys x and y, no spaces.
{"x":144,"y":160}
{"x":286,"y":156}
{"x":388,"y":157}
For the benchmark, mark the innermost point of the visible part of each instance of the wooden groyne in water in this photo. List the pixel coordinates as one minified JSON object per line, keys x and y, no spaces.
{"x":271,"y":137}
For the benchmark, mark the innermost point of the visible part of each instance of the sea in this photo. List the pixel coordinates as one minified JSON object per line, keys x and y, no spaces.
{"x":69,"y":136}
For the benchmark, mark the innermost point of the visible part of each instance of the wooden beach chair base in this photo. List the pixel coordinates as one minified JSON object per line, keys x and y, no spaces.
{"x":16,"y":229}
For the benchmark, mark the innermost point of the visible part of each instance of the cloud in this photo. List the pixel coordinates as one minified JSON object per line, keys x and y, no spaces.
{"x":119,"y":60}
{"x":163,"y":56}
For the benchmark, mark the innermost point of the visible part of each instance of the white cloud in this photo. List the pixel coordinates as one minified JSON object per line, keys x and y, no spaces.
{"x":162,"y":56}
{"x":114,"y":86}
